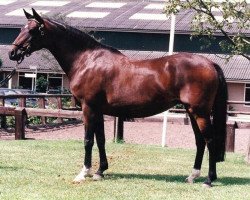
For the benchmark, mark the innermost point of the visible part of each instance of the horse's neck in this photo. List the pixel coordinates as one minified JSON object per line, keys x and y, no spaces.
{"x":67,"y":51}
{"x":63,"y":56}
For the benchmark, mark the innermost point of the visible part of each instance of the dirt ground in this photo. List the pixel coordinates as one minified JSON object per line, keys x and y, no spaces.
{"x":145,"y":131}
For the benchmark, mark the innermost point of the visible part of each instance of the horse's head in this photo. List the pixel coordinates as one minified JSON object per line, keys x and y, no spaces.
{"x":30,"y":39}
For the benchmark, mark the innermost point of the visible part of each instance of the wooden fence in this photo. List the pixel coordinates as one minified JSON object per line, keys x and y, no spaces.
{"x":21,"y":112}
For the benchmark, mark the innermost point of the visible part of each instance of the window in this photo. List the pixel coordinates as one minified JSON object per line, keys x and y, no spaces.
{"x":55,"y":83}
{"x":24,"y":82}
{"x":247,"y":94}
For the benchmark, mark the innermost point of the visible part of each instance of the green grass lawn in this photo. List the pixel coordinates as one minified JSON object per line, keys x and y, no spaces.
{"x":45,"y":170}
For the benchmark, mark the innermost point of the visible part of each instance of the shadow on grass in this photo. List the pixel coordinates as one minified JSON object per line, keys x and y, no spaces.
{"x":9,"y":168}
{"x":234,"y":181}
{"x":178,"y":178}
{"x":15,"y":168}
{"x":157,"y":177}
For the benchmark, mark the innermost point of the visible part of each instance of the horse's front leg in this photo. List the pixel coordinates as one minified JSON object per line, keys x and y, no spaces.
{"x":100,"y":139}
{"x":89,"y":126}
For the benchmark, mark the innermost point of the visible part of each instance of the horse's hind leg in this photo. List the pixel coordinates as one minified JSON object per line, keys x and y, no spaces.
{"x":207,"y":132}
{"x":200,"y":148}
{"x":100,"y":140}
{"x":212,"y":175}
{"x":205,"y":129}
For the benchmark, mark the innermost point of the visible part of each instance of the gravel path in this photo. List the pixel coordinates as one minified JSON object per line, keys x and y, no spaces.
{"x":138,"y":132}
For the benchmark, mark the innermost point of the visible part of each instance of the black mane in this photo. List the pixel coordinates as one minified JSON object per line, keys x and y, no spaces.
{"x":80,"y":37}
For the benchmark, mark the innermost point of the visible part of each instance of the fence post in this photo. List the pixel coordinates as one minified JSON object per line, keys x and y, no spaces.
{"x":3,"y":122}
{"x":41,"y":104}
{"x":248,"y":152}
{"x":22,"y":102}
{"x":59,"y":106}
{"x":20,"y":117}
{"x":3,"y":117}
{"x":120,"y":130}
{"x":73,"y":102}
{"x":186,"y":119}
{"x":115,"y":126}
{"x":230,"y":140}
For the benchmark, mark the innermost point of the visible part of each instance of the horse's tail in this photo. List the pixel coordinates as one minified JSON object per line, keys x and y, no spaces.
{"x":220,"y":116}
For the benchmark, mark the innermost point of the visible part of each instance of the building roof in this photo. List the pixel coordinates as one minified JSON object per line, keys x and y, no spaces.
{"x":236,"y":69}
{"x":43,"y":60}
{"x":122,"y":15}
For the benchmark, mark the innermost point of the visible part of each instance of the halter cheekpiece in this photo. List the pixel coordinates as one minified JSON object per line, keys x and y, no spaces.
{"x":41,"y":26}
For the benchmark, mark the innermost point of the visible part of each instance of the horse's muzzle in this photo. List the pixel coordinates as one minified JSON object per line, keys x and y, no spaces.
{"x":15,"y":55}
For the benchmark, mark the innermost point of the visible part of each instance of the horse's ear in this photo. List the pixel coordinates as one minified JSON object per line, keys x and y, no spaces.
{"x":28,"y":16}
{"x":37,"y":16}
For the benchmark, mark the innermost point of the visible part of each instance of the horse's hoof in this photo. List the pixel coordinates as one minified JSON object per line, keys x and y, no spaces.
{"x":78,"y":180}
{"x":188,"y":180}
{"x":207,"y":185}
{"x":98,"y":177}
{"x":82,"y":176}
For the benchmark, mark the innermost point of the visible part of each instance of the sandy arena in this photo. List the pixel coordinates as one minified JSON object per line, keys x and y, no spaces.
{"x":138,"y":132}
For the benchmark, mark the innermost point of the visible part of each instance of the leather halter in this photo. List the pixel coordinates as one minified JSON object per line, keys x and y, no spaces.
{"x":26,"y":47}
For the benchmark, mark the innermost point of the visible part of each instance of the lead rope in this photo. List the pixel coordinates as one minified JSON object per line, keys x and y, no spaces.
{"x":9,"y":76}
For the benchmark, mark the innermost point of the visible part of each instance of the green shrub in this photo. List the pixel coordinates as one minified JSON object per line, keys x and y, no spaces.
{"x":41,"y":84}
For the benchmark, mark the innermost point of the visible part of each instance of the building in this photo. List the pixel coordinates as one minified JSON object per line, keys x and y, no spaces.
{"x":138,"y":28}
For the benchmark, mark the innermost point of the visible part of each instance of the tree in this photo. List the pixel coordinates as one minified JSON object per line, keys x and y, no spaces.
{"x":1,"y":62}
{"x":230,"y":18}
{"x":42,"y":84}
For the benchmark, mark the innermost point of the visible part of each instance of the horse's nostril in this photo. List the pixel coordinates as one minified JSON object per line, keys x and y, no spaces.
{"x":12,"y":54}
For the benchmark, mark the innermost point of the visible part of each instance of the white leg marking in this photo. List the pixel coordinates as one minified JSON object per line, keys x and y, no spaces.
{"x":82,"y":175}
{"x":97,"y":177}
{"x":195,"y":174}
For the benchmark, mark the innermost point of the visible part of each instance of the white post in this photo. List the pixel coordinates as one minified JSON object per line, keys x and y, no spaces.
{"x":170,"y":52}
{"x":171,"y":37}
{"x":10,"y":83}
{"x":32,"y":84}
{"x":35,"y":80}
{"x":164,"y":129}
{"x":34,"y":67}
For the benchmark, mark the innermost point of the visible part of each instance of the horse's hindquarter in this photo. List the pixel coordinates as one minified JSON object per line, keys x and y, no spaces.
{"x":197,"y":81}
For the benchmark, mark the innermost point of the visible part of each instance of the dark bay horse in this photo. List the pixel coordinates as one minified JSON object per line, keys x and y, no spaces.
{"x":107,"y":82}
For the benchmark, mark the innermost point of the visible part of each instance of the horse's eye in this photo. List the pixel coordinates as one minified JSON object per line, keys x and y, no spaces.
{"x":33,"y":31}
